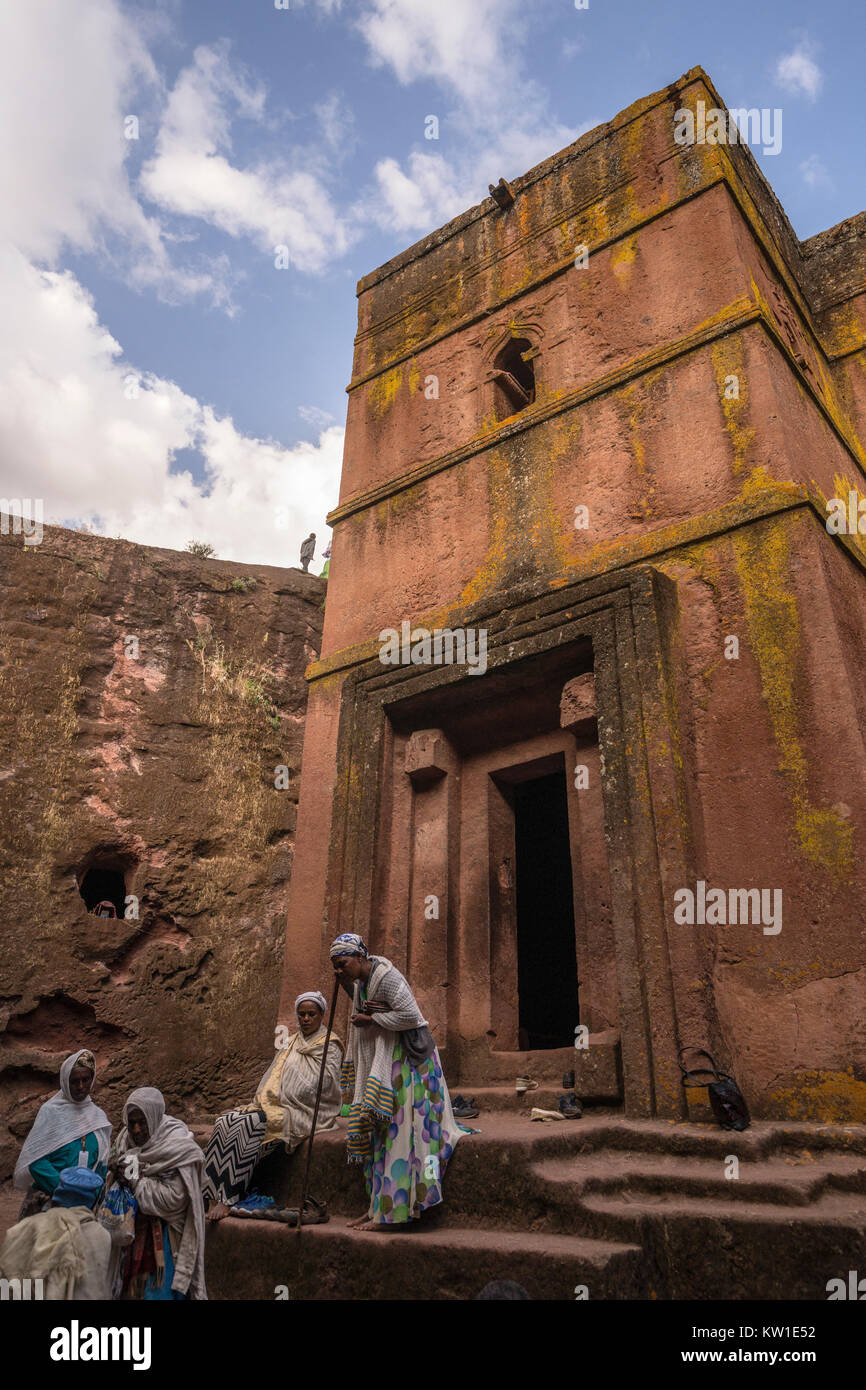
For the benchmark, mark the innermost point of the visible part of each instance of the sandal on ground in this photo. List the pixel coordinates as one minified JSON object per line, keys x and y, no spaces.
{"x":545,"y":1115}
{"x":315,"y":1214}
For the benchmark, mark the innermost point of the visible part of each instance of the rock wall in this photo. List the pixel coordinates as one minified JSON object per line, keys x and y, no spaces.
{"x":148,"y":700}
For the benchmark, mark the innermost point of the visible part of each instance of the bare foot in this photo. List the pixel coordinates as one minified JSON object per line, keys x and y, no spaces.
{"x":217,"y":1212}
{"x":362,"y":1224}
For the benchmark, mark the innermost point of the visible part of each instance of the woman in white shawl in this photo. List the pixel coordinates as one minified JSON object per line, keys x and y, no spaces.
{"x":282,"y":1111}
{"x":401,"y":1124}
{"x":69,"y":1131}
{"x":158,"y":1159}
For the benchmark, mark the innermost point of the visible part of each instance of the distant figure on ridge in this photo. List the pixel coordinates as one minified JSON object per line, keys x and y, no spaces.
{"x":308,"y":549}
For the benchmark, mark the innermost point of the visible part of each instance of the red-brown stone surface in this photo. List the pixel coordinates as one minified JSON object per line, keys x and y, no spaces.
{"x":161,"y":766}
{"x":654,"y":520}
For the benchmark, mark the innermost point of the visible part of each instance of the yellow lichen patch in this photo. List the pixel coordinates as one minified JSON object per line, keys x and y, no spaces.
{"x":763,"y":567}
{"x":844,"y":332}
{"x":636,"y":159}
{"x":842,"y":487}
{"x":825,"y":837}
{"x":526,"y":534}
{"x":729,"y":367}
{"x":622,"y":259}
{"x":382,"y":391}
{"x":414,"y":376}
{"x":824,"y":1097}
{"x":741,"y":305}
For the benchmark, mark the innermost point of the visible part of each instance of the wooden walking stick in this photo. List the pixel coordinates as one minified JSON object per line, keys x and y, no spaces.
{"x":318,"y":1099}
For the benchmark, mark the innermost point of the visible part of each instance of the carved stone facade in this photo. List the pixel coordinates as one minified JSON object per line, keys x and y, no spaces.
{"x":518,"y":840}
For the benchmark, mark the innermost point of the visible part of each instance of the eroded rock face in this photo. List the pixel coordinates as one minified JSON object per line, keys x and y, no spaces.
{"x":149,"y":702}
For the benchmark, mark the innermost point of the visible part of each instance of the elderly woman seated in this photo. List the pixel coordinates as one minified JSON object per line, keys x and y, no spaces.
{"x":158,"y":1159}
{"x":282,"y":1111}
{"x":69,"y":1130}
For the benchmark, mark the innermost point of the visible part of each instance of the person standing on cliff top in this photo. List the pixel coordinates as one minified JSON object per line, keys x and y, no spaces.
{"x":401,"y":1123}
{"x":308,"y":550}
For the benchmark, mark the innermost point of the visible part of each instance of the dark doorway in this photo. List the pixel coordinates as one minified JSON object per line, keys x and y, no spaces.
{"x":101,"y":886}
{"x":546,"y":963}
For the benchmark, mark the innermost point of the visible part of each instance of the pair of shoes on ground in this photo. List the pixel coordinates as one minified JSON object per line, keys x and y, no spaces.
{"x":524,"y":1084}
{"x":464,"y":1109}
{"x":569,"y":1109}
{"x":315,"y":1213}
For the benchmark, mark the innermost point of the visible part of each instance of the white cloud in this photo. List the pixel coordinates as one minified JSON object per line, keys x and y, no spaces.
{"x":427,"y":194}
{"x":191,"y":175}
{"x":316,"y":417}
{"x":798,"y":72}
{"x":816,"y":174}
{"x":337,"y":125}
{"x":500,"y":125}
{"x":431,"y":189}
{"x":69,"y":75}
{"x":95,"y":439}
{"x":468,"y":47}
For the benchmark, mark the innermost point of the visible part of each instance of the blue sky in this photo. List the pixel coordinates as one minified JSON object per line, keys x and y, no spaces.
{"x":160,"y":378}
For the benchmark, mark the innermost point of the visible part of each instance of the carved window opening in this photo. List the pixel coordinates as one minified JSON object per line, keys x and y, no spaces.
{"x":514,"y":377}
{"x":103,"y":888}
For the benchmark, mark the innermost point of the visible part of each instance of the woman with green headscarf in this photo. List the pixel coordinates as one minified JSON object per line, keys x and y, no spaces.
{"x":69,"y":1131}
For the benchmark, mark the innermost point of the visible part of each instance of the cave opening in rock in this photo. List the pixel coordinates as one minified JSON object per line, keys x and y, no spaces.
{"x":103,"y":884}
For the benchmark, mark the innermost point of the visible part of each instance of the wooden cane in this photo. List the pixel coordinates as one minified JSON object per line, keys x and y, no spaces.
{"x":318,"y":1099}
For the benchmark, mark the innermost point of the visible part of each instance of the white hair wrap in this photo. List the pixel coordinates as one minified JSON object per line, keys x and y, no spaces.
{"x":315,"y":997}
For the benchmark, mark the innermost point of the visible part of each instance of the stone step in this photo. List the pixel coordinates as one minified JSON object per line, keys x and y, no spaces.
{"x":701,"y":1248}
{"x":598,"y":1070}
{"x":793,"y":1181}
{"x":494,"y":1174}
{"x":504,"y":1100}
{"x":793,"y":1220}
{"x":252,"y":1259}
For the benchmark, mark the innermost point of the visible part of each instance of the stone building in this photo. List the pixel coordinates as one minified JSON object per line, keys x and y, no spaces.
{"x":594,"y":427}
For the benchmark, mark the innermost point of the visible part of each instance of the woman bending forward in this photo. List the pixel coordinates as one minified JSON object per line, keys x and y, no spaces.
{"x":401,"y":1127}
{"x":159,"y":1160}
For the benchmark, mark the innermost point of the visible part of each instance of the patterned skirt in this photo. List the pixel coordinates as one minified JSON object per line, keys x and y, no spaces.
{"x":232,"y":1153}
{"x":405,"y":1173}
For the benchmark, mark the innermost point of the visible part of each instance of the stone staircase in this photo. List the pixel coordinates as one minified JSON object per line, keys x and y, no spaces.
{"x":626,"y":1208}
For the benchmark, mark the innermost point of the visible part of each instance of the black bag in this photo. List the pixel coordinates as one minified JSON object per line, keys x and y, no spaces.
{"x":726,"y":1099}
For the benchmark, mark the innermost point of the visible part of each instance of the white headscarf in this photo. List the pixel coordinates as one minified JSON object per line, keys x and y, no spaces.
{"x":170,"y":1150}
{"x":314,"y":997}
{"x":60,"y":1121}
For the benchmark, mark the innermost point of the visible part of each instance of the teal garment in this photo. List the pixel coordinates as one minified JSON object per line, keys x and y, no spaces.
{"x":163,"y":1293}
{"x":46,"y":1171}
